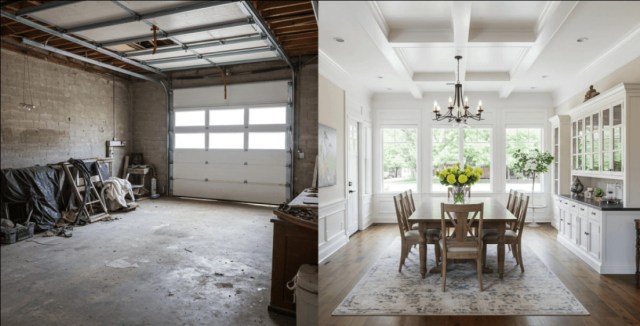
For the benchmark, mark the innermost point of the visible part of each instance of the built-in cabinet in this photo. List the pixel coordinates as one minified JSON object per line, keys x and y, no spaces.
{"x":602,"y":238}
{"x":561,"y":166}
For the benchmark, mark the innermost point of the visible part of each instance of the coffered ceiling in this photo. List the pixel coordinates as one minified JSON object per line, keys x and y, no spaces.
{"x":507,"y":46}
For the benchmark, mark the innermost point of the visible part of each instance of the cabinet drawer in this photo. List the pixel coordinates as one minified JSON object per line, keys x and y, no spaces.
{"x":595,"y":214}
{"x":581,"y":209}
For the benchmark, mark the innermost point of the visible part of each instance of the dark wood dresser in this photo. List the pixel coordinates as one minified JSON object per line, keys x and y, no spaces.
{"x":295,"y":242}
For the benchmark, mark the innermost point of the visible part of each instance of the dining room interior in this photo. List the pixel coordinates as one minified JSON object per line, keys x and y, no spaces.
{"x":478,"y":163}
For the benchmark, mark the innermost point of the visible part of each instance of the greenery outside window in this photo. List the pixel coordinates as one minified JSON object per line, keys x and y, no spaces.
{"x":524,"y":139}
{"x":399,"y":155}
{"x":476,"y":151}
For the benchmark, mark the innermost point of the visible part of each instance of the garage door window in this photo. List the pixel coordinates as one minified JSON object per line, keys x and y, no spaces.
{"x":267,"y":140}
{"x":268,"y":116}
{"x":233,"y":117}
{"x":190,"y":118}
{"x":226,"y":140}
{"x":190,"y":140}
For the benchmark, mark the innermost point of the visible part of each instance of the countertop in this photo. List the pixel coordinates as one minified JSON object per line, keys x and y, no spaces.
{"x":601,"y":205}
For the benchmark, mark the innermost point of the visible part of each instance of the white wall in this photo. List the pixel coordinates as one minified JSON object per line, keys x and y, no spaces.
{"x":519,"y":110}
{"x":340,"y":100}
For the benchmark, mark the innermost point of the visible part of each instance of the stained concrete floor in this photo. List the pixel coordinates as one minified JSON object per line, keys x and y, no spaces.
{"x":169,"y":262}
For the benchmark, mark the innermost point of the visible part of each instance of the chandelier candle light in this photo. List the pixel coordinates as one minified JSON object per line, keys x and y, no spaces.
{"x":457,"y":110}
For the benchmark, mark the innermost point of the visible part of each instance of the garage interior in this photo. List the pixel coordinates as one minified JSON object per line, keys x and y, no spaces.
{"x":205,"y":112}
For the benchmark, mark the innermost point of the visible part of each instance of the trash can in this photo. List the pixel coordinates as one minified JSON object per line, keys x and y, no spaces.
{"x":305,"y":286}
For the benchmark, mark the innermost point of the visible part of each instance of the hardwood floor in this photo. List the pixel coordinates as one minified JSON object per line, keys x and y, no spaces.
{"x":611,"y":300}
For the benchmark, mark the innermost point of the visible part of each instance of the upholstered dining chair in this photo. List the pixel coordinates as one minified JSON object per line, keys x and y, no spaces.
{"x":461,"y":244}
{"x":411,"y":237}
{"x":511,"y":237}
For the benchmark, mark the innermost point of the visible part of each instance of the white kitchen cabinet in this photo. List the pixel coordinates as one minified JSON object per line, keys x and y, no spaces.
{"x":604,"y":239}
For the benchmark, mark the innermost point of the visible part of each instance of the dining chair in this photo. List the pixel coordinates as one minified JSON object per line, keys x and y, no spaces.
{"x":511,"y":237}
{"x":413,"y":205}
{"x":512,"y":202}
{"x":461,"y":244}
{"x":411,"y":237}
{"x":408,"y":210}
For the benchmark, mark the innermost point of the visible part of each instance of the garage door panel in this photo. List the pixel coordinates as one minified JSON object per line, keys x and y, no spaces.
{"x":224,"y":172}
{"x":227,"y":191}
{"x":272,"y":157}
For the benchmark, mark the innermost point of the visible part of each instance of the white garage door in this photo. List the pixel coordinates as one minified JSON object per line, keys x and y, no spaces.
{"x":226,"y":150}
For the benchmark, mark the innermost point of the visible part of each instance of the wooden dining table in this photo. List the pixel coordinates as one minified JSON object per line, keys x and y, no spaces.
{"x":427,"y":215}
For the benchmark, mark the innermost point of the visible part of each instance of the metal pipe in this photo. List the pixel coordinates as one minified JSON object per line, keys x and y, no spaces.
{"x":45,"y":6}
{"x":80,"y":42}
{"x":183,"y":31}
{"x":185,"y":47}
{"x":209,"y":56}
{"x":153,"y":14}
{"x":91,"y":61}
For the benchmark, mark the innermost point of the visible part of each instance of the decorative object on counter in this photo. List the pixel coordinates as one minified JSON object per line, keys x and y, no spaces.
{"x":530,"y":164}
{"x":577,"y":187}
{"x":459,"y":179}
{"x":597,"y":194}
{"x":588,"y":192}
{"x":591,"y":93}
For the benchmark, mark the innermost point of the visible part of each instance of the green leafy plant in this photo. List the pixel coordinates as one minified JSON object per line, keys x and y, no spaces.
{"x":598,"y":192}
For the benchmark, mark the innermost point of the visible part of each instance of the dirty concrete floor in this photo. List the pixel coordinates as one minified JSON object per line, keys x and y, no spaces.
{"x":169,"y":262}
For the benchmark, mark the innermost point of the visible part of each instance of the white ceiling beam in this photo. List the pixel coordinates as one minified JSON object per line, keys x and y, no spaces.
{"x":554,"y":16}
{"x":491,"y":76}
{"x":372,"y":22}
{"x":502,"y":37}
{"x":408,"y":38}
{"x":461,"y":22}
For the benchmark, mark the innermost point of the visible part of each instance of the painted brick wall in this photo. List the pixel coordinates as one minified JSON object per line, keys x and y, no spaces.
{"x":73,"y":117}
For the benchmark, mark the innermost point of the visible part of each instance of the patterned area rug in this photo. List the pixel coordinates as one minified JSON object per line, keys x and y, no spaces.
{"x":384,"y":291}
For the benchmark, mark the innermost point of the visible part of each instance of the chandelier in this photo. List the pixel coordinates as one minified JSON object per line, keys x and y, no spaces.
{"x":457,"y":110}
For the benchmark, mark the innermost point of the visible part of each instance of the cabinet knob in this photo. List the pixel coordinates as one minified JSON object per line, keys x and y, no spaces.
{"x":582,"y":209}
{"x":593,"y":213}
{"x":586,"y":233}
{"x":568,"y":223}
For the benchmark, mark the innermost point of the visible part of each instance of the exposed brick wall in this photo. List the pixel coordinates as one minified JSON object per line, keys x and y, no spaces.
{"x":73,"y":117}
{"x":307,"y":120}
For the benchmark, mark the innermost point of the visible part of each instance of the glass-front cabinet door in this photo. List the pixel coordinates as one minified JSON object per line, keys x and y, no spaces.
{"x":595,"y":134}
{"x":556,"y":156}
{"x":580,"y":146}
{"x":616,"y":126}
{"x":607,"y":140}
{"x":574,"y":145}
{"x":588,"y":150}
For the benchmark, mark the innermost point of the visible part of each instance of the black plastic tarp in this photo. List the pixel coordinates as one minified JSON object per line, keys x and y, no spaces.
{"x":39,"y":187}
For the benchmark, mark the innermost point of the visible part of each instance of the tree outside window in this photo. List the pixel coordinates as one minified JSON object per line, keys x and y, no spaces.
{"x":524,"y":139}
{"x":399,"y":150}
{"x":476,"y":152}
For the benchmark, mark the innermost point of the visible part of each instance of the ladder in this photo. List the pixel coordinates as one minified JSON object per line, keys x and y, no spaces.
{"x":94,"y":209}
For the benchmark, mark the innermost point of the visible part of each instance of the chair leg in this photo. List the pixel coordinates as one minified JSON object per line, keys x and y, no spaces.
{"x":444,"y":272}
{"x":403,"y":255}
{"x":520,"y":256}
{"x":484,"y":254}
{"x":436,"y":247}
{"x":479,"y":262}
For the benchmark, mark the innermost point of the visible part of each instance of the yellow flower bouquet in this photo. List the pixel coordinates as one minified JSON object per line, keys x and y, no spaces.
{"x":459,"y":179}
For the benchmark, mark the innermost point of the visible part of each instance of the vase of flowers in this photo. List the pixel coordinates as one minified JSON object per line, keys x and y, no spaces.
{"x":531,"y":164}
{"x":459,"y":179}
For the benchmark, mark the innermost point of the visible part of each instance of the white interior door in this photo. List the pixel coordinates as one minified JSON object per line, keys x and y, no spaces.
{"x":352,"y":178}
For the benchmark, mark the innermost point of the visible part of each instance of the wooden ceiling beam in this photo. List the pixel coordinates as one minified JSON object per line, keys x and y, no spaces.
{"x":298,"y":36}
{"x":295,"y":29}
{"x":272,"y":5}
{"x":288,"y":18}
{"x":270,"y":14}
